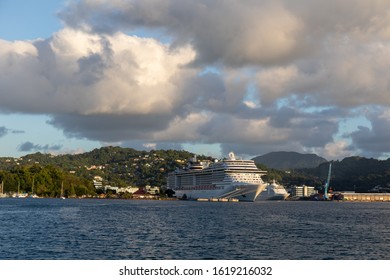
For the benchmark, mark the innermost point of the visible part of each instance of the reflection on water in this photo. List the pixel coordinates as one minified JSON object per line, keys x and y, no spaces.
{"x":127,"y":229}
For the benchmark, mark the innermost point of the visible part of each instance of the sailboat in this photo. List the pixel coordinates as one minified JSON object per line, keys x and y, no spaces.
{"x":18,"y":194}
{"x":2,"y":189}
{"x":33,"y":195}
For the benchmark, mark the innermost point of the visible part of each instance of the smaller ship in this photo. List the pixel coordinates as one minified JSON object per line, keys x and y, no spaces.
{"x":273,"y":191}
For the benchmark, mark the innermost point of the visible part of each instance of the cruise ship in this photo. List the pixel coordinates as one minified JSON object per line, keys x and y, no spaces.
{"x":230,"y":179}
{"x":273,"y":191}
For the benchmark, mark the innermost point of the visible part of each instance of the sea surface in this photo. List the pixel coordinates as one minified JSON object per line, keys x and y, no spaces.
{"x":93,"y":229}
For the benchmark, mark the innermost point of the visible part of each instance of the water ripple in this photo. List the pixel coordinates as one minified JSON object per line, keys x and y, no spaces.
{"x":125,"y":229}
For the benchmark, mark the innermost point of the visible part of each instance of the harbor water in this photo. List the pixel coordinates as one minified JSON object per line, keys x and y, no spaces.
{"x":93,"y":229}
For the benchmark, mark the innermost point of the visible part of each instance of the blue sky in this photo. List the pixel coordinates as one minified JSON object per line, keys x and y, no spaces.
{"x":29,"y":20}
{"x":305,"y":76}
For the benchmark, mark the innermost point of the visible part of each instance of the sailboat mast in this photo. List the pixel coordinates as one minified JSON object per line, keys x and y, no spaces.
{"x":62,"y":190}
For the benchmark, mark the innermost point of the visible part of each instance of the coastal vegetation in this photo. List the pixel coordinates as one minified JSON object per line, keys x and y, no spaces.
{"x":45,"y":181}
{"x":117,"y":166}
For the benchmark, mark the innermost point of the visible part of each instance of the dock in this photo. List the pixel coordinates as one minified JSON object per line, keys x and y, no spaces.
{"x":218,"y":199}
{"x":366,"y":197}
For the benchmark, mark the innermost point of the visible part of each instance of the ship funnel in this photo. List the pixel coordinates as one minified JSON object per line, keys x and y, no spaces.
{"x":232,"y":156}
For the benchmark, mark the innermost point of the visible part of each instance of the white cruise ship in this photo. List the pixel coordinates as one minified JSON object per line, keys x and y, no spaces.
{"x":273,"y":191}
{"x":227,"y":179}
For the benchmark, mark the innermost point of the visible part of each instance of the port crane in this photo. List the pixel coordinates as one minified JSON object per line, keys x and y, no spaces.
{"x":327,"y":183}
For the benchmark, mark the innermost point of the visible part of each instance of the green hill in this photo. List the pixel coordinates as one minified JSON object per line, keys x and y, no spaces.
{"x":117,"y":166}
{"x":356,"y":174}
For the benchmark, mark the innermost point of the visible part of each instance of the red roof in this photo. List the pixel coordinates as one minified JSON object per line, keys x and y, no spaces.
{"x":141,"y":191}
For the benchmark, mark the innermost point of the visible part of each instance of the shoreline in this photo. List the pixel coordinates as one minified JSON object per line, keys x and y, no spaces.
{"x":364,"y":198}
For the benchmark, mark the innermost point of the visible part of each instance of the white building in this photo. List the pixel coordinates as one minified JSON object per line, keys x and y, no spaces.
{"x":128,"y":189}
{"x":302,"y":191}
{"x":98,"y":182}
{"x":152,"y":190}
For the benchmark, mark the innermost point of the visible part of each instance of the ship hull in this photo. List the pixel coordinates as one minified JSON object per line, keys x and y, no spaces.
{"x":273,"y":192}
{"x":265,"y":196}
{"x":240,"y":191}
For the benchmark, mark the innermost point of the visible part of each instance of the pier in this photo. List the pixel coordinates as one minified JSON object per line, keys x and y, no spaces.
{"x":366,"y":197}
{"x":218,"y":199}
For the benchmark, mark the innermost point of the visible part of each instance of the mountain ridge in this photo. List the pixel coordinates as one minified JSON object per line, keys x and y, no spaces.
{"x":285,"y":160}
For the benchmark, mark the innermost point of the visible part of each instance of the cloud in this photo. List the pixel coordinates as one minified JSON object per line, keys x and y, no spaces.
{"x":374,"y":140}
{"x":286,"y":128}
{"x":76,"y":72}
{"x":236,"y":32}
{"x":251,"y":75}
{"x":110,"y":127}
{"x":337,"y":150}
{"x":250,"y":35}
{"x":3,"y":131}
{"x":147,"y":146}
{"x":106,"y":88}
{"x":29,"y":146}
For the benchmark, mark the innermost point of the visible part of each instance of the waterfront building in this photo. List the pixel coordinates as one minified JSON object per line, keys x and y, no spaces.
{"x":302,"y":191}
{"x":98,"y":182}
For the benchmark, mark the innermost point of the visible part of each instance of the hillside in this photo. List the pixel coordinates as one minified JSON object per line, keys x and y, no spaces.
{"x":356,"y":174}
{"x":289,"y":160}
{"x":117,"y":166}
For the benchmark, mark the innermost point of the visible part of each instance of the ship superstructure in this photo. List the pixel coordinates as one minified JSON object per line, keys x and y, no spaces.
{"x":227,"y":179}
{"x":273,"y":191}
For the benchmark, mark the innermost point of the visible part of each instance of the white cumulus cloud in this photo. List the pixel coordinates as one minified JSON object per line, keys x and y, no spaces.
{"x":254,"y":75}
